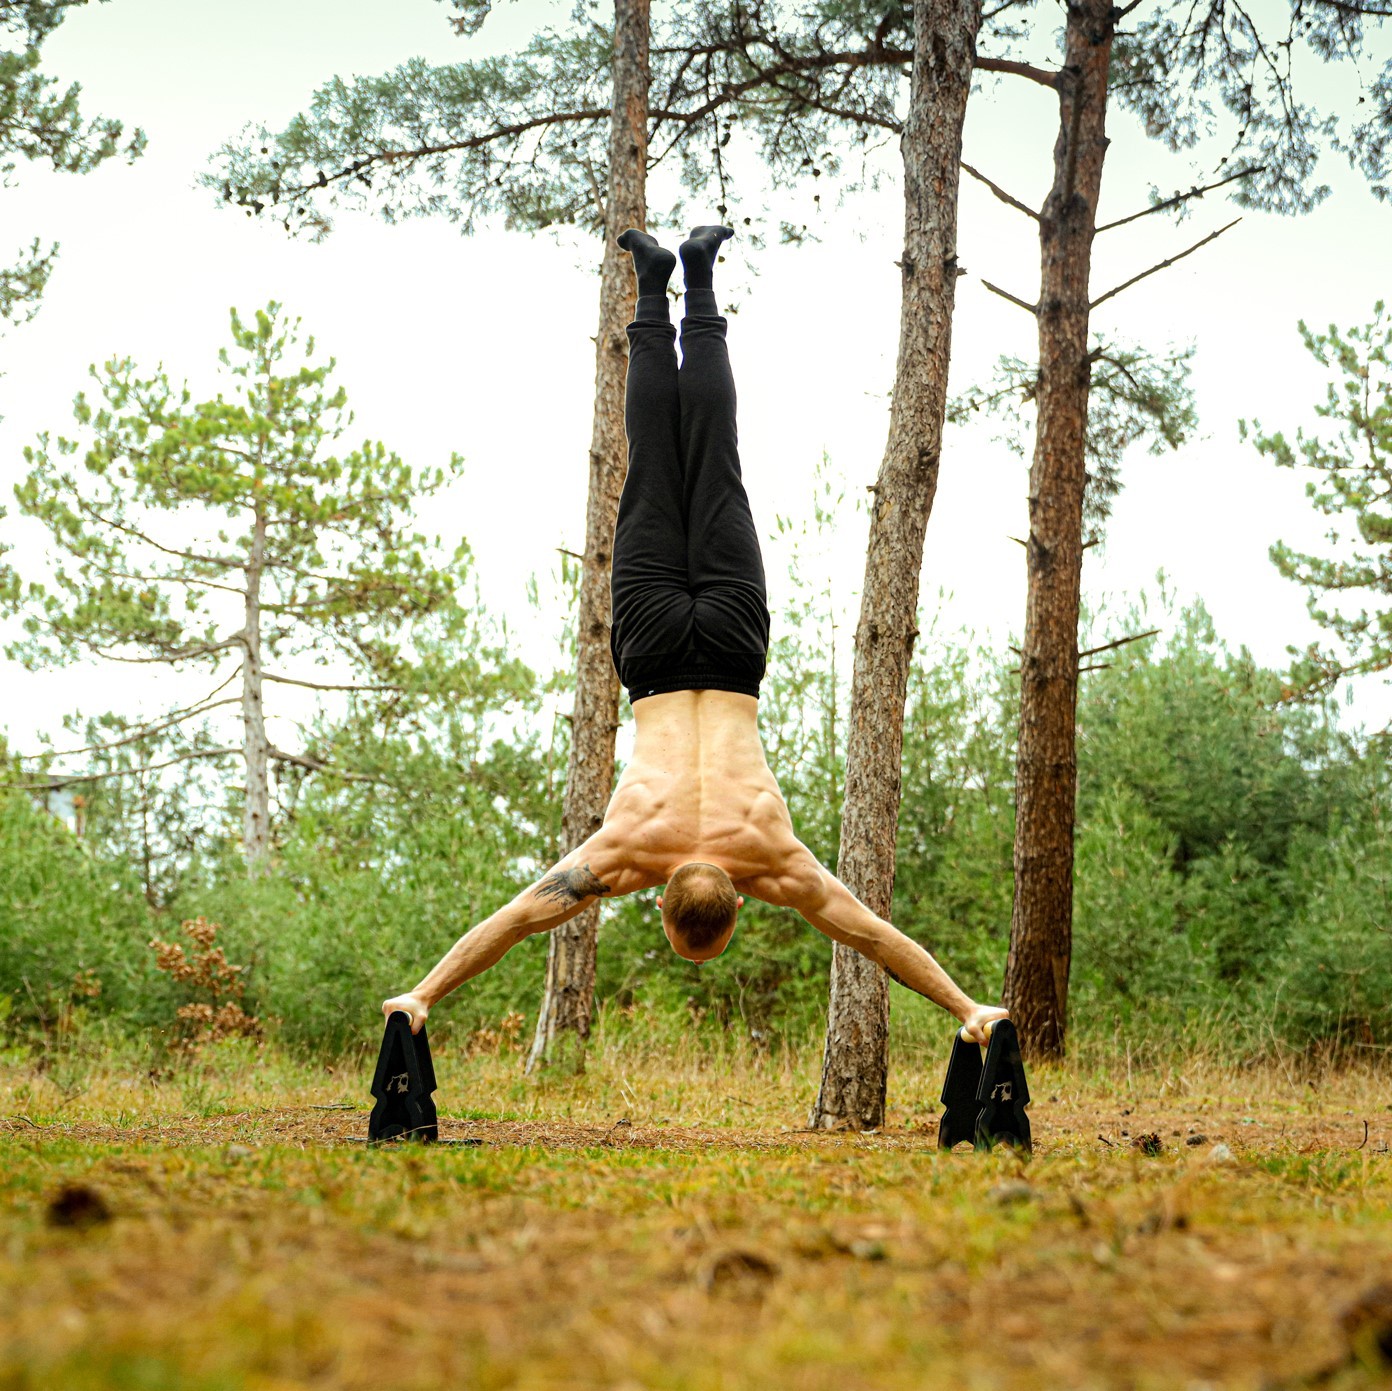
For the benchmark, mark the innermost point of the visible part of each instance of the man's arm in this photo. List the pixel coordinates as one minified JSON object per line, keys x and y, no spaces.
{"x":826,"y":903}
{"x":593,"y":870}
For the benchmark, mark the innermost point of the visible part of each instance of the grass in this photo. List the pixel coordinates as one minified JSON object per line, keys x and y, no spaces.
{"x":664,"y":1222}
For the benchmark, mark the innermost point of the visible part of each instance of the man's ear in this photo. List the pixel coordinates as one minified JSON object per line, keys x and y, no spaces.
{"x":659,"y":901}
{"x":739,"y":901}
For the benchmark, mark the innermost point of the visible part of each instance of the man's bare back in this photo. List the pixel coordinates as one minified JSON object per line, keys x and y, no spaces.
{"x":698,"y":788}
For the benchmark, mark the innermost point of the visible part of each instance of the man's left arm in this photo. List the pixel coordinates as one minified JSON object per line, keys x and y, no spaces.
{"x":825,"y":902}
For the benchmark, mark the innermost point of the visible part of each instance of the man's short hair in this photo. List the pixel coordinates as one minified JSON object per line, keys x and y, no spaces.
{"x":700,"y":903}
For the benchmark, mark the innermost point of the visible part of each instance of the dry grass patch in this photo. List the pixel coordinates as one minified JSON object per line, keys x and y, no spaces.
{"x":665,"y":1223}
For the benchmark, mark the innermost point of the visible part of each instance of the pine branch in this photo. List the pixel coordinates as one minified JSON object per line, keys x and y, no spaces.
{"x":1181,"y":198}
{"x":1169,"y":261}
{"x":1120,"y":642}
{"x":323,"y":686}
{"x":318,"y":765}
{"x":183,"y":655}
{"x":1014,"y":299}
{"x":223,"y":562}
{"x":159,"y":579}
{"x":57,"y":784}
{"x":177,"y":718}
{"x":473,"y":142}
{"x":1000,"y":192}
{"x":1009,"y":65}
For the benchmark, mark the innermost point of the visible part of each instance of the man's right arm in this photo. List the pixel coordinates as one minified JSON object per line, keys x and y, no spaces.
{"x":593,"y":870}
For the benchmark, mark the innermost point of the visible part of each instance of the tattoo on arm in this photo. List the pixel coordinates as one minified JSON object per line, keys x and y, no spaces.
{"x":569,"y":886}
{"x":897,"y":979}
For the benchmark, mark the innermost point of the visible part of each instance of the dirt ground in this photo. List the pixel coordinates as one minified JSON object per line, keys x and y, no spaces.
{"x":265,"y":1247}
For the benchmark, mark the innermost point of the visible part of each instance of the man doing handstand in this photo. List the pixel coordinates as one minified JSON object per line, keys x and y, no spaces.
{"x":697,"y":809}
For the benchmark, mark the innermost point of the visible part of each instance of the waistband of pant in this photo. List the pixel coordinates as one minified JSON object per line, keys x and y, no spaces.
{"x":695,"y":681}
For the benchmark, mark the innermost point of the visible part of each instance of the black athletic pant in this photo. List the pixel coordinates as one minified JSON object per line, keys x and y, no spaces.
{"x":690,"y":609}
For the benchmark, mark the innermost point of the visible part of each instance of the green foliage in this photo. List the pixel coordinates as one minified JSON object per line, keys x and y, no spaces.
{"x":1333,"y":981}
{"x":808,"y":87}
{"x":1356,"y":491}
{"x":64,"y":912}
{"x":482,"y":134}
{"x":40,"y":123}
{"x":22,"y":284}
{"x":1201,"y":742}
{"x":457,"y":806}
{"x":161,"y":819}
{"x":1231,"y":868}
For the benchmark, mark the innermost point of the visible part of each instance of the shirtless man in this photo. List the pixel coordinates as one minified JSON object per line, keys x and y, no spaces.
{"x":697,"y":810}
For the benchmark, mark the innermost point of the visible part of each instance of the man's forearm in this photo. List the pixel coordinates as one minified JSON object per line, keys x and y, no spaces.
{"x":909,"y":964}
{"x":478,"y":949}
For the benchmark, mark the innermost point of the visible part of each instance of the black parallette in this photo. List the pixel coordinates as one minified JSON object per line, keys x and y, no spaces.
{"x":985,"y":1100}
{"x":959,"y":1094}
{"x":403,"y":1085}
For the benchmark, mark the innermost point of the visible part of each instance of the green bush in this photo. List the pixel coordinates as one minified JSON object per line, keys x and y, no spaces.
{"x":63,"y":915}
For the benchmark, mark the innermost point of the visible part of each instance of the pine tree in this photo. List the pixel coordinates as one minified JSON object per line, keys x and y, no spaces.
{"x":1163,"y":73}
{"x":224,"y":536}
{"x":1355,"y":490}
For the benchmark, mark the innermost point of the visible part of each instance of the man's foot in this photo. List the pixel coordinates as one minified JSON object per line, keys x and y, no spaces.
{"x":698,"y":255}
{"x":652,"y":263}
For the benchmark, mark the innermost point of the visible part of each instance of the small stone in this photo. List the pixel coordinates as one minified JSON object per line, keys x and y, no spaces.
{"x":1197,"y":1140}
{"x":233,"y":1152}
{"x":1221,"y":1154}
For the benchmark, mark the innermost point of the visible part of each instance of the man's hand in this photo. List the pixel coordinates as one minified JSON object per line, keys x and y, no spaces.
{"x":974,"y":1025}
{"x":411,"y":1006}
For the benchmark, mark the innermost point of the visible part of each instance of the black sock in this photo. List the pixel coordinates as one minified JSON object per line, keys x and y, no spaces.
{"x":653,"y":266}
{"x":698,"y":255}
{"x":700,"y":302}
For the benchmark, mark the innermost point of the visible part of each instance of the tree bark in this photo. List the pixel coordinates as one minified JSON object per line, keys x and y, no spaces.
{"x":563,"y":1023}
{"x":255,"y":747}
{"x":1041,"y":927}
{"x":856,"y":1057}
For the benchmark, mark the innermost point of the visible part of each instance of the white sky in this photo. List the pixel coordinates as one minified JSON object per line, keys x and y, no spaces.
{"x":483,"y":345}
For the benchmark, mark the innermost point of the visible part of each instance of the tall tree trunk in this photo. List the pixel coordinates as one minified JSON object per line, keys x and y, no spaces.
{"x":1046,"y":775}
{"x":856,"y":1058}
{"x":564,"y":1020}
{"x":255,"y":748}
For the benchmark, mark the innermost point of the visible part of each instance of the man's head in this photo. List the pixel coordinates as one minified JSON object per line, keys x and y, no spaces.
{"x":698,"y":911}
